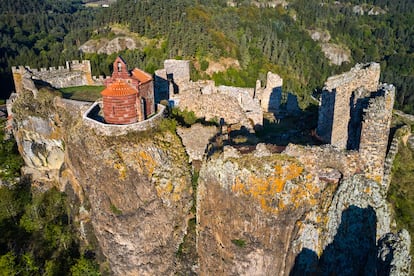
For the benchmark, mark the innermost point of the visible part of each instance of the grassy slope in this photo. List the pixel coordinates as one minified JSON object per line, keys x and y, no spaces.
{"x":82,"y":93}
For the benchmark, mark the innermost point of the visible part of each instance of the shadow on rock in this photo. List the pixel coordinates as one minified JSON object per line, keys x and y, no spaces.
{"x":352,"y":252}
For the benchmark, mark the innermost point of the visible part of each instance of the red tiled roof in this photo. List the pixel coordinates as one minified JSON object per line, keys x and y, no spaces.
{"x":119,"y":88}
{"x":140,"y":75}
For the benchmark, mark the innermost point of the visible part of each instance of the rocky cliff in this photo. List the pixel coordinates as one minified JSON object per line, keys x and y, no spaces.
{"x":309,"y":210}
{"x":274,"y":214}
{"x":135,"y":190}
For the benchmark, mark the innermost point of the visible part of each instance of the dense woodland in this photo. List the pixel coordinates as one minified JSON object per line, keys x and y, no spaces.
{"x":38,"y":233}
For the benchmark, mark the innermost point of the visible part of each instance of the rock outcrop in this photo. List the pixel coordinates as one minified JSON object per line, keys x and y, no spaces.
{"x":335,"y":53}
{"x":247,"y":213}
{"x":104,"y":46}
{"x":394,"y":254}
{"x":310,"y":210}
{"x":140,"y":197}
{"x":135,"y":190}
{"x":196,"y":139}
{"x":282,"y":216}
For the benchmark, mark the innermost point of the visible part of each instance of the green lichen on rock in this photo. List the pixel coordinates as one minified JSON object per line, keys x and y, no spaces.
{"x":40,"y":106}
{"x":147,"y":177}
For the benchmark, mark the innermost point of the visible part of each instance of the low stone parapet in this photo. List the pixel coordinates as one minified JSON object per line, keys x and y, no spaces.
{"x":116,"y":130}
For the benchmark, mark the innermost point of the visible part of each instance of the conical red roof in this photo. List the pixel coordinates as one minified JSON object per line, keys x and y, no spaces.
{"x":119,"y":88}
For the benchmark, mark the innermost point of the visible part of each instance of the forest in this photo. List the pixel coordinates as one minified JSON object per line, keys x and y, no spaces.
{"x":38,"y":234}
{"x":261,"y":39}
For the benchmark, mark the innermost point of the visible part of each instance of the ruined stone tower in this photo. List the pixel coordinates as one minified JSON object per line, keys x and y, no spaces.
{"x":355,"y":114}
{"x":343,"y":97}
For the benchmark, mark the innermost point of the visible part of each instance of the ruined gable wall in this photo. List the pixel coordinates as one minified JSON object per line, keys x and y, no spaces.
{"x":375,"y":130}
{"x":215,"y":106}
{"x":271,"y":95}
{"x":338,"y":89}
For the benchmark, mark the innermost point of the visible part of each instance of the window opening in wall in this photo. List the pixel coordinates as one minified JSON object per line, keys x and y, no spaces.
{"x":119,"y":67}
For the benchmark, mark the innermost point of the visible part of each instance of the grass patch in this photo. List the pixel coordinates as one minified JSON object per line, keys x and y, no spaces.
{"x":401,"y":192}
{"x":115,"y":210}
{"x":183,"y":117}
{"x":239,"y":243}
{"x":194,"y":184}
{"x":82,"y":93}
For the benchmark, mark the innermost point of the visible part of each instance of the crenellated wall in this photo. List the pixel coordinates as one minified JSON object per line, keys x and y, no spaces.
{"x":75,"y":73}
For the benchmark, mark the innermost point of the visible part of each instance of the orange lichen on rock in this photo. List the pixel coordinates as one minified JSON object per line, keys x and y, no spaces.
{"x":121,"y":168}
{"x":164,"y":190}
{"x":304,"y":193}
{"x":377,"y":178}
{"x":146,"y":161}
{"x":264,"y":189}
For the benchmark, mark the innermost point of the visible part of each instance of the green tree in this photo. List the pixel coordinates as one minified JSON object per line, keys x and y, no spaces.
{"x":8,"y":264}
{"x":84,"y":267}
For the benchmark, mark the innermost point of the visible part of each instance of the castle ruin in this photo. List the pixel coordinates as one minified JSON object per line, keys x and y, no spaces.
{"x":343,"y":99}
{"x":355,"y":114}
{"x":235,"y":105}
{"x":75,"y":73}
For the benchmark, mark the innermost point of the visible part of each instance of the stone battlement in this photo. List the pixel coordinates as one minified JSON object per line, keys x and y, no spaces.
{"x":74,"y":73}
{"x":73,"y":65}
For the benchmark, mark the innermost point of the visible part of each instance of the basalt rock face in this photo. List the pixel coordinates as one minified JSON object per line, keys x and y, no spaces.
{"x":134,"y":190}
{"x":248,"y":210}
{"x":281,"y":215}
{"x":140,"y":196}
{"x":310,"y":210}
{"x":39,"y":137}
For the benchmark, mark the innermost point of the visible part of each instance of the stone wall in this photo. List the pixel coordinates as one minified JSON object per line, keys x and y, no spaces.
{"x":315,"y":158}
{"x":75,"y":73}
{"x":270,"y":96}
{"x":116,"y":130}
{"x":249,"y":105}
{"x":235,"y":105}
{"x":177,"y":70}
{"x":375,"y":130}
{"x":215,"y":107}
{"x":372,"y":141}
{"x":392,"y":152}
{"x":355,"y":114}
{"x":334,"y":114}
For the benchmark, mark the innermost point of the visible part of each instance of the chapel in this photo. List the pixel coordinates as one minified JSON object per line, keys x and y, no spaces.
{"x":128,"y":96}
